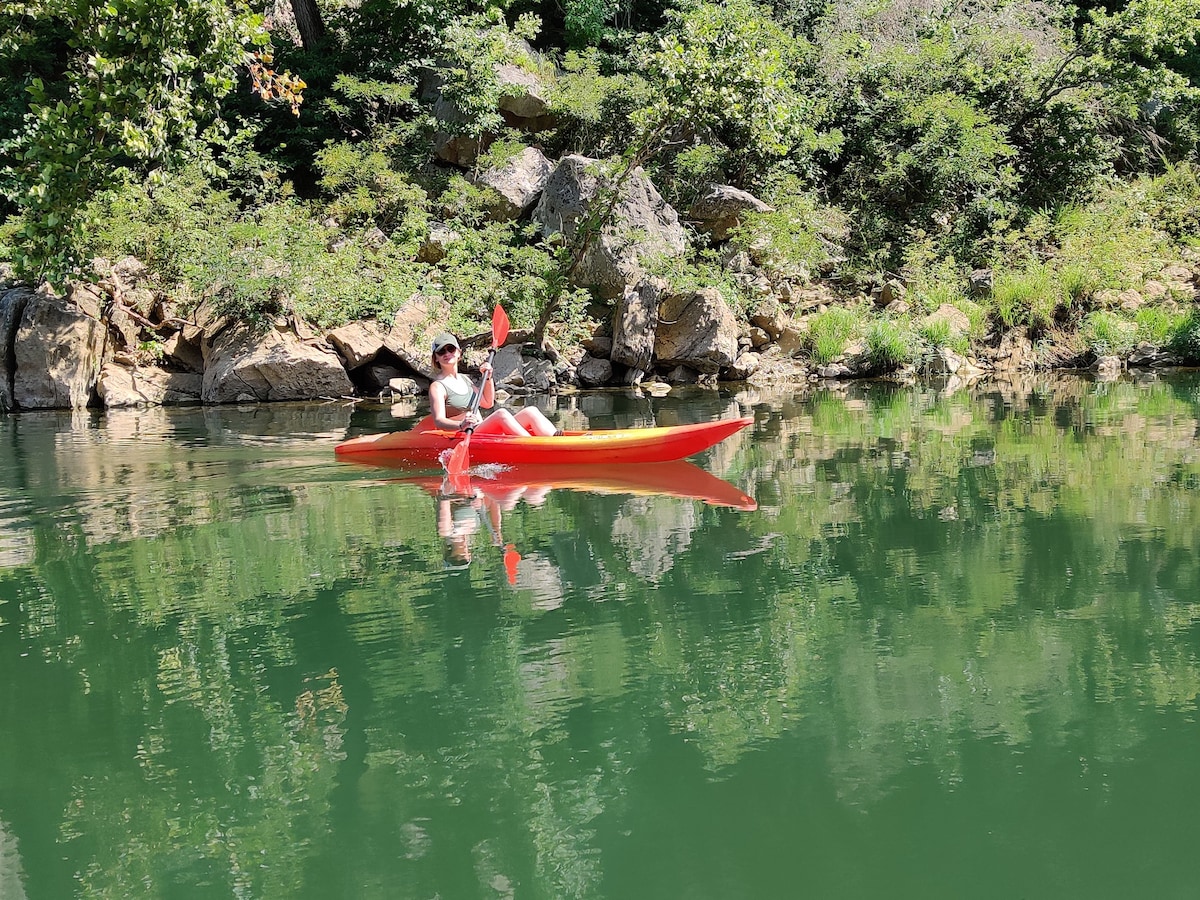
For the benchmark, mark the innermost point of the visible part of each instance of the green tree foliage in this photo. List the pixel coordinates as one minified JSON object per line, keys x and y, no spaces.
{"x":137,"y":84}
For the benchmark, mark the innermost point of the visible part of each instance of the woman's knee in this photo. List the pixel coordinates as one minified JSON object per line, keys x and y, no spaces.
{"x":535,"y":421}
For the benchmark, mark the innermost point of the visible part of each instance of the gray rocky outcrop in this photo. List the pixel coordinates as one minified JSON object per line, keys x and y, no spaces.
{"x":517,"y":181}
{"x":642,"y":227}
{"x":697,"y":330}
{"x":635,"y":322}
{"x":594,"y":372}
{"x":124,"y":385}
{"x":242,"y":365}
{"x":51,"y":347}
{"x":358,"y":342}
{"x":413,"y":329}
{"x":720,"y":208}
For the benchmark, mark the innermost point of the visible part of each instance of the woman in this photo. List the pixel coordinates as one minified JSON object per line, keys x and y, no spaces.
{"x":452,"y":394}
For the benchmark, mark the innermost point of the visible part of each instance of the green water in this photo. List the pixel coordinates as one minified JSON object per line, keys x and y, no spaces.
{"x":955,"y":652}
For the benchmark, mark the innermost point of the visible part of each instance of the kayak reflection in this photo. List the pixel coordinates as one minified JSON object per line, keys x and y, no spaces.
{"x":531,"y":483}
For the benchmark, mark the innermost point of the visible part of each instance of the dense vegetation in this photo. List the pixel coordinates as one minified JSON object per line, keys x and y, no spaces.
{"x":283,"y":160}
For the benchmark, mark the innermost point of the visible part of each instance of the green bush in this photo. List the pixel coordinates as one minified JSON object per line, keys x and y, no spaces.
{"x":829,"y":331}
{"x":1106,"y":333}
{"x":890,"y":344}
{"x":1025,"y":296}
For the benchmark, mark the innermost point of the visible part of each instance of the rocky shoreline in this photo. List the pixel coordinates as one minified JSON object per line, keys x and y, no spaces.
{"x":116,"y":343}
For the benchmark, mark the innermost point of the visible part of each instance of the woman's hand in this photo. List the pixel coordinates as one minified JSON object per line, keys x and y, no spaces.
{"x":485,"y":371}
{"x":470,"y":420}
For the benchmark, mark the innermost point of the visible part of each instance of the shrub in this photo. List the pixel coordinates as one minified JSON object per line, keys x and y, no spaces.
{"x":1184,"y":341}
{"x":889,"y":345}
{"x":1025,"y":297}
{"x":829,"y":331}
{"x":1106,"y":333}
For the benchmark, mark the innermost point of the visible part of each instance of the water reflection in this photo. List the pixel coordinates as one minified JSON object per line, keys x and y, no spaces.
{"x":233,"y":664}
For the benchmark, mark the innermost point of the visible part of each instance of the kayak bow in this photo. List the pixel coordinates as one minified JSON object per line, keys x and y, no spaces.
{"x":621,"y":445}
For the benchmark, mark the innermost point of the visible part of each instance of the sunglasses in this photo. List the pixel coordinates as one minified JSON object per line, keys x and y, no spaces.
{"x":447,"y":350}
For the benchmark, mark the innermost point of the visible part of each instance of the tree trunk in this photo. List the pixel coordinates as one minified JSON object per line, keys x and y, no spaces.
{"x":308,"y":22}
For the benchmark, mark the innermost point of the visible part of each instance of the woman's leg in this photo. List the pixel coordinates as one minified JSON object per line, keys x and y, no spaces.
{"x":535,"y":421}
{"x":501,"y":422}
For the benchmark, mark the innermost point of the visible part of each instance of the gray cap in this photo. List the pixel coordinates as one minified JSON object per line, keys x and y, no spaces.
{"x":445,"y":339}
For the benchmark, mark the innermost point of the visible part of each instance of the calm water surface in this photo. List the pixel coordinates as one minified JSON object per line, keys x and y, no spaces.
{"x":953,"y":652}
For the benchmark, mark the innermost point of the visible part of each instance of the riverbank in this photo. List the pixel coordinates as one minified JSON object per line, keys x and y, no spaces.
{"x":120,"y":341}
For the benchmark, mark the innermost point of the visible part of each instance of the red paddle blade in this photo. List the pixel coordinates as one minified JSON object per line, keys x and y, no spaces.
{"x":511,"y":559}
{"x":499,"y":326}
{"x":460,"y":458}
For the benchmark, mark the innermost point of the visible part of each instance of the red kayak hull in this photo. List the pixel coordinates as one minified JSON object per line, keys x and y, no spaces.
{"x":624,"y":445}
{"x":666,"y":479}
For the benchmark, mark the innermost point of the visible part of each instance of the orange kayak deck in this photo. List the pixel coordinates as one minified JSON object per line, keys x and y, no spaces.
{"x":623,"y":445}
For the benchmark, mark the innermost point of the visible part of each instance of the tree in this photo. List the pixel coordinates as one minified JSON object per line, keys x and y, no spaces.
{"x":138,"y":85}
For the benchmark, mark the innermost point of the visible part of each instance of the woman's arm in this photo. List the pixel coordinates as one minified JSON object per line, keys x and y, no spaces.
{"x":488,"y":398}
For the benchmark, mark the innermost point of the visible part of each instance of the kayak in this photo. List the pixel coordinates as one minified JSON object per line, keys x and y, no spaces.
{"x":506,"y":484}
{"x":621,"y":445}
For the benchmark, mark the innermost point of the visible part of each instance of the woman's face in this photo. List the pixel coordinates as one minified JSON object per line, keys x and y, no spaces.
{"x":446,"y":356}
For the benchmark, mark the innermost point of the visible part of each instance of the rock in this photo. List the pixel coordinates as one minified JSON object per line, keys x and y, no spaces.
{"x":523,"y":95}
{"x":51,"y":348}
{"x":769,"y":315}
{"x":240,"y":365}
{"x":682,"y":375}
{"x":1015,"y":352}
{"x":1107,"y":368}
{"x":594,"y":372}
{"x":960,"y":325}
{"x":697,"y":330}
{"x":13,"y":302}
{"x":186,"y":354}
{"x":413,"y":329}
{"x":721,"y":208}
{"x":539,"y":374}
{"x":642,"y":225}
{"x":1129,"y":300}
{"x":1146,"y":355}
{"x":897,"y":307}
{"x":740,"y":263}
{"x":518,"y":182}
{"x":406,"y":387}
{"x":1153,"y":290}
{"x":744,"y":366}
{"x":450,"y":144}
{"x":433,"y":248}
{"x":635,"y":322}
{"x":887,"y":293}
{"x":358,"y":342}
{"x":834,"y":370}
{"x":979,"y":283}
{"x":376,"y":378}
{"x":508,"y":367}
{"x":599,"y":346}
{"x":759,"y":337}
{"x":123,"y":386}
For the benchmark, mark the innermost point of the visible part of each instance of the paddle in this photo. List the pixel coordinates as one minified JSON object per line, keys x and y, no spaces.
{"x":460,"y":458}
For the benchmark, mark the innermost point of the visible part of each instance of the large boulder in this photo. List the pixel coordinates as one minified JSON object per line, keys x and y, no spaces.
{"x":518,"y":181}
{"x":524,"y":90}
{"x":641,"y":228}
{"x":413,"y":329}
{"x":50,"y":347}
{"x":635,"y":322}
{"x":241,"y":364}
{"x":124,"y":386}
{"x":721,"y":208}
{"x":697,"y":330}
{"x":358,"y":343}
